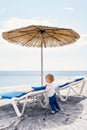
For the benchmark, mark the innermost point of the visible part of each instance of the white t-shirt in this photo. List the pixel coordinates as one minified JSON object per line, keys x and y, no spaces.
{"x":51,"y":89}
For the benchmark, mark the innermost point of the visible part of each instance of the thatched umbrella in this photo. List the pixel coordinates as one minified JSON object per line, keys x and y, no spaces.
{"x":41,"y":36}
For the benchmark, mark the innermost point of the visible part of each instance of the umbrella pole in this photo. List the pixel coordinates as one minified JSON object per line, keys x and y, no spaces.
{"x":41,"y":62}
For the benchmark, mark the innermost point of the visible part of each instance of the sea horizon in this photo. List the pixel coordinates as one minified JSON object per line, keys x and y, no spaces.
{"x":14,"y":78}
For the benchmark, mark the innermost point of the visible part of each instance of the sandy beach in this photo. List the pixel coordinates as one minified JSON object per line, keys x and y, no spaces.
{"x":73,"y":115}
{"x":42,"y":43}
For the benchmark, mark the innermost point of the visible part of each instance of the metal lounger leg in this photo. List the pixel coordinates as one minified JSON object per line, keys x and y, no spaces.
{"x":19,"y":114}
{"x":61,"y":97}
{"x":44,"y":102}
{"x":81,"y":90}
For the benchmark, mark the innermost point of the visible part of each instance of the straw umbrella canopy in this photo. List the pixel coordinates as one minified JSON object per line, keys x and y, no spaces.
{"x":41,"y":36}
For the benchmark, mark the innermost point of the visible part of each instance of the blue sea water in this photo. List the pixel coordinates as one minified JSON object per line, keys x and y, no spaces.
{"x":12,"y":78}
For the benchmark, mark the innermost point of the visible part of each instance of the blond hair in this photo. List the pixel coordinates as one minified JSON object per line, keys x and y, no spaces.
{"x":50,"y":77}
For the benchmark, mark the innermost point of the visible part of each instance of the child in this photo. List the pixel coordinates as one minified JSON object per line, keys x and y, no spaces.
{"x":50,"y":88}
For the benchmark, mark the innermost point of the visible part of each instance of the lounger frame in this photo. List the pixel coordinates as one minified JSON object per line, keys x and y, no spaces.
{"x":71,"y":87}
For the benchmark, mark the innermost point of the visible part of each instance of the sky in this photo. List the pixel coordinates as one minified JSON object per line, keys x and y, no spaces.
{"x":59,"y":13}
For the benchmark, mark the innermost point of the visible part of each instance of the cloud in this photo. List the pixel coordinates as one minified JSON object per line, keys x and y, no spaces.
{"x":84,"y":35}
{"x":1,"y":39}
{"x":69,"y":8}
{"x":83,"y":39}
{"x":18,"y":22}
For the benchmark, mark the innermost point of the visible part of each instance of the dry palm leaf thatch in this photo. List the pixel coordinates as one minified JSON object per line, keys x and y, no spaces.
{"x":33,"y":36}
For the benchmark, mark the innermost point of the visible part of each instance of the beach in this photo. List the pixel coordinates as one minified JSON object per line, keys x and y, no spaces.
{"x":73,"y":114}
{"x":38,"y":38}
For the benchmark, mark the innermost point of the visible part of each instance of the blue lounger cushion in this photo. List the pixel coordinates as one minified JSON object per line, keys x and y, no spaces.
{"x":37,"y":88}
{"x":9,"y":95}
{"x":78,"y":79}
{"x":63,"y":85}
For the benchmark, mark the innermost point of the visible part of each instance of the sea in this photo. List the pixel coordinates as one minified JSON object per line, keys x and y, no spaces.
{"x":15,"y":78}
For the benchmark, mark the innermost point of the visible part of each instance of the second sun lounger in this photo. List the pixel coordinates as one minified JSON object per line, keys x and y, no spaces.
{"x":70,"y":85}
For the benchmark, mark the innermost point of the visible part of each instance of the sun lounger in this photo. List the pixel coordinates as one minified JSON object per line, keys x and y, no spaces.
{"x":70,"y":85}
{"x":16,"y":96}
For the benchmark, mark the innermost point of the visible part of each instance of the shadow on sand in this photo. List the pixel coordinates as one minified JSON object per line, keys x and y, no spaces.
{"x":37,"y":118}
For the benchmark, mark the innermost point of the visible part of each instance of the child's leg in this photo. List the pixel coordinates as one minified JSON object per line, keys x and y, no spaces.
{"x":51,"y":102}
{"x":56,"y":103}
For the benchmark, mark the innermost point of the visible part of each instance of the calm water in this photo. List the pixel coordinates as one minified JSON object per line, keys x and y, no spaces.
{"x":12,"y":78}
